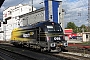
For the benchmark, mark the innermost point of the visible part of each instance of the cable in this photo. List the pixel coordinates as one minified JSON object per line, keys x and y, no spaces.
{"x":21,"y":1}
{"x":5,"y":4}
{"x":79,"y":15}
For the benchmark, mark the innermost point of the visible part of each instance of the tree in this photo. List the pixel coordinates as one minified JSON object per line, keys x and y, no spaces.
{"x":76,"y":29}
{"x":83,"y":28}
{"x":71,"y":25}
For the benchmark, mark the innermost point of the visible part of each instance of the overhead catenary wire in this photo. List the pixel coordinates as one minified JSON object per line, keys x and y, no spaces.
{"x":21,"y":1}
{"x":79,"y":13}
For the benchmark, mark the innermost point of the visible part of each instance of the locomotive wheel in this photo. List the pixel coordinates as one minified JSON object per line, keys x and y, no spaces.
{"x":49,"y":50}
{"x":41,"y":49}
{"x":60,"y":49}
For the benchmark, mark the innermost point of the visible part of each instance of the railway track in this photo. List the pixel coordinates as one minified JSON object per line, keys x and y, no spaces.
{"x":78,"y":50}
{"x":3,"y":56}
{"x":12,"y":55}
{"x":27,"y":54}
{"x":61,"y":56}
{"x":73,"y":56}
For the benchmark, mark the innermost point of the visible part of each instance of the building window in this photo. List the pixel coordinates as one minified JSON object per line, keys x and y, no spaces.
{"x":29,"y":9}
{"x":86,"y":36}
{"x":21,"y":9}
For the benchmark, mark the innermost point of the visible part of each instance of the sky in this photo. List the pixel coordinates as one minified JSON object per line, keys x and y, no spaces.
{"x":75,"y":10}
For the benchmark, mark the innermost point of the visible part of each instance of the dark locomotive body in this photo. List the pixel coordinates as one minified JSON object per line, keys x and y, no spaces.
{"x":42,"y":35}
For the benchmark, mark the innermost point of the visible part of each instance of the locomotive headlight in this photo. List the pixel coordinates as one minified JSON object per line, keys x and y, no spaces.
{"x":53,"y":44}
{"x":61,"y":44}
{"x":65,"y":44}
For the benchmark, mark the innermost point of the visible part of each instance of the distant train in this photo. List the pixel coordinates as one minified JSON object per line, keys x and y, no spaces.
{"x":46,"y":36}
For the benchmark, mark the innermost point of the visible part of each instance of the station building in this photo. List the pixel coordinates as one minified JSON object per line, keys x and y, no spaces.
{"x":1,"y":30}
{"x":10,"y":18}
{"x":22,"y":15}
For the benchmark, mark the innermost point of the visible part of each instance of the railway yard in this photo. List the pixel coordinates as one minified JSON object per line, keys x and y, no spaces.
{"x":45,"y":32}
{"x":73,"y":52}
{"x":17,"y":53}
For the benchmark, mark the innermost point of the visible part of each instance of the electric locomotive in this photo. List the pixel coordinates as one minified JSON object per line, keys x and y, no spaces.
{"x":45,"y":35}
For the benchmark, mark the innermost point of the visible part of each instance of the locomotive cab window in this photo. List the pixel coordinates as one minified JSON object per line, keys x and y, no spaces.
{"x":50,"y":28}
{"x":54,"y":28}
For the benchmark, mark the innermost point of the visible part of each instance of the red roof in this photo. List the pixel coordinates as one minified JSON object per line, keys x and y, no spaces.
{"x":68,"y":31}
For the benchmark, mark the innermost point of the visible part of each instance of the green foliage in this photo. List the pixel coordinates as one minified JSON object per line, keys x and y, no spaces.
{"x":71,"y":25}
{"x":84,"y":28}
{"x":86,"y":43}
{"x":75,"y":28}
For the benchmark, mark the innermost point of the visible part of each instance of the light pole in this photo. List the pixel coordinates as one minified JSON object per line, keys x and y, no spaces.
{"x":32,"y":5}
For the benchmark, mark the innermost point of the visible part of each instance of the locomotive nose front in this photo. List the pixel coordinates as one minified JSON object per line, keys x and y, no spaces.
{"x":56,"y":43}
{"x":54,"y":36}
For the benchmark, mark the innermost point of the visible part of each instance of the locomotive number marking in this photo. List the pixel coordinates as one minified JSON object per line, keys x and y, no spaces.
{"x":26,"y":35}
{"x":57,"y":38}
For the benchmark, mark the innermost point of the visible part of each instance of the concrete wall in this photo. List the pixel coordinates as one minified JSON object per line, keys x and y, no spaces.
{"x":33,"y":17}
{"x":86,"y":36}
{"x":10,"y":15}
{"x":1,"y":31}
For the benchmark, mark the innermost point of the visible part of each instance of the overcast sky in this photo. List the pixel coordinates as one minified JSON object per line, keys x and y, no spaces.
{"x":75,"y":10}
